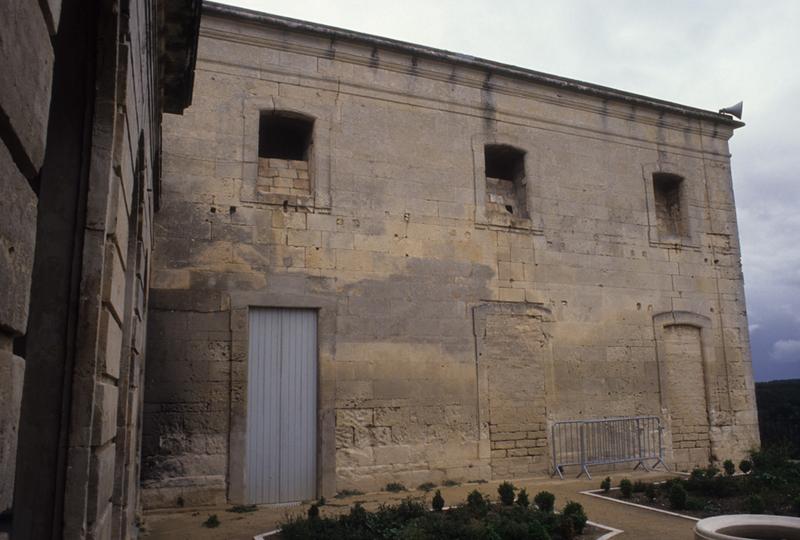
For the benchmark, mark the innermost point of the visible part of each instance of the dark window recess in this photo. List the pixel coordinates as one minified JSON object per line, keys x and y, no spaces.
{"x":505,"y":180}
{"x":670,"y":216}
{"x":284,"y":136}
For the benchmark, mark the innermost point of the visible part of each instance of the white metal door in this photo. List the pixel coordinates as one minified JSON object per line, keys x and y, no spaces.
{"x":282,"y":405}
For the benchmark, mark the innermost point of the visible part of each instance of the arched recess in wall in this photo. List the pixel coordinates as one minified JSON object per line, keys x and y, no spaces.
{"x":684,"y":352}
{"x":514,"y":361}
{"x":317,"y":117}
{"x":527,"y":181}
{"x":671,"y":189}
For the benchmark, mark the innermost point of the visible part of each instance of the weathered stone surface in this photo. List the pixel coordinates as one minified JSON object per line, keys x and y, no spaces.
{"x":25,"y":51}
{"x":12,"y":371}
{"x":17,"y":241}
{"x":101,"y":486}
{"x":191,"y":490}
{"x":52,"y":14}
{"x":455,"y":334}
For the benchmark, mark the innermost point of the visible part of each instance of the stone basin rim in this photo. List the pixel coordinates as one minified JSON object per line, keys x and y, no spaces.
{"x":711,"y":528}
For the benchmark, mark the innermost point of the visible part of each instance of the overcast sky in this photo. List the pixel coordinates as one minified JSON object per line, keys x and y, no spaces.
{"x":703,"y":54}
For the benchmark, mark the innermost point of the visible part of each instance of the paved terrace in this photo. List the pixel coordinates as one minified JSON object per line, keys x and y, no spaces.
{"x":635,"y":522}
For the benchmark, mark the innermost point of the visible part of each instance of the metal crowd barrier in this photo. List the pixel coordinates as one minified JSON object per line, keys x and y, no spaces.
{"x":606,"y":441}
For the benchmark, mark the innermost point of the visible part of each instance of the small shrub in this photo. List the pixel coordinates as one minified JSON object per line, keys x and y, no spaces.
{"x":409,"y":509}
{"x":356,"y":518}
{"x":438,"y":501}
{"x":639,"y":486}
{"x":536,"y":531}
{"x":179,"y":502}
{"x":574,"y":511}
{"x":523,"y":501}
{"x":395,"y":487}
{"x":322,"y":501}
{"x":710,"y":472}
{"x":695,"y":504}
{"x":772,"y":458}
{"x":697,"y":480}
{"x":212,"y":521}
{"x":697,"y":474}
{"x":677,"y":496}
{"x":243,"y":508}
{"x":729,"y":467}
{"x":506,"y":491}
{"x":566,"y":527}
{"x":450,"y":483}
{"x":477,"y":503}
{"x":666,"y":486}
{"x":605,"y":485}
{"x":650,"y":491}
{"x":545,"y":501}
{"x":506,"y":527}
{"x":626,"y":488}
{"x":745,"y":466}
{"x":426,"y":487}
{"x":724,"y":486}
{"x":313,"y":512}
{"x":755,"y":504}
{"x":348,"y":493}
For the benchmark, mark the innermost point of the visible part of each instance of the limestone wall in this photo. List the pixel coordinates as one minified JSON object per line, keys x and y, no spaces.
{"x":80,"y":108}
{"x":26,"y":57}
{"x":398,"y":246}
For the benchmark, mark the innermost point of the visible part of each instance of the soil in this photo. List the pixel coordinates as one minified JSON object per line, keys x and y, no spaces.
{"x":589,"y":533}
{"x":714,"y":506}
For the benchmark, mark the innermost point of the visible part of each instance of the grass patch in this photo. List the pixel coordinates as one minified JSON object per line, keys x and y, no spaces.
{"x":348,"y":493}
{"x":395,"y":487}
{"x":212,"y":522}
{"x":243,"y":508}
{"x":426,"y":487}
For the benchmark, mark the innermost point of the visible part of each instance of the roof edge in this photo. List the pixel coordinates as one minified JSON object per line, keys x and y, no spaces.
{"x":297,"y":25}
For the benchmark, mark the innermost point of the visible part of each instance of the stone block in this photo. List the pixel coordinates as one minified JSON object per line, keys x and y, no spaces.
{"x":388,"y":455}
{"x":193,"y":490}
{"x":104,"y":425}
{"x":110,"y":343}
{"x":25,"y":51}
{"x":12,"y":372}
{"x":17,"y":241}
{"x":101,"y":482}
{"x":114,"y":282}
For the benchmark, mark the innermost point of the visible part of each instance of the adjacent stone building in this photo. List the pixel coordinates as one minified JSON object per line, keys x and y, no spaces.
{"x":376,"y":261}
{"x":82,"y":92}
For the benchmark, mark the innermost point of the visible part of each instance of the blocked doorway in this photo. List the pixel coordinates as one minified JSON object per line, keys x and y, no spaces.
{"x":281,"y":406}
{"x":682,"y":363}
{"x":515,"y":365}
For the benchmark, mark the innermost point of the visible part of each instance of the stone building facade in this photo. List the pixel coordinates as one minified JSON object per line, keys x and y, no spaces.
{"x":484,"y":250}
{"x":82,"y":94}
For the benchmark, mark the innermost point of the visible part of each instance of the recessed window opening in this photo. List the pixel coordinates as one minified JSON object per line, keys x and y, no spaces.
{"x":505,"y":180}
{"x":284,"y":136}
{"x":670,"y":216}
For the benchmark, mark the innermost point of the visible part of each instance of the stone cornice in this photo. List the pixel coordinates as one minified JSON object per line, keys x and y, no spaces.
{"x":491,"y":68}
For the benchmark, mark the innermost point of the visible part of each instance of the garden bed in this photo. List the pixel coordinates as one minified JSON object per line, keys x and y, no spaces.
{"x":511,"y":517}
{"x":769,"y":483}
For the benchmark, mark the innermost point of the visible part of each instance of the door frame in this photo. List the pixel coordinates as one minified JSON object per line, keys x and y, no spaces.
{"x":241,"y":303}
